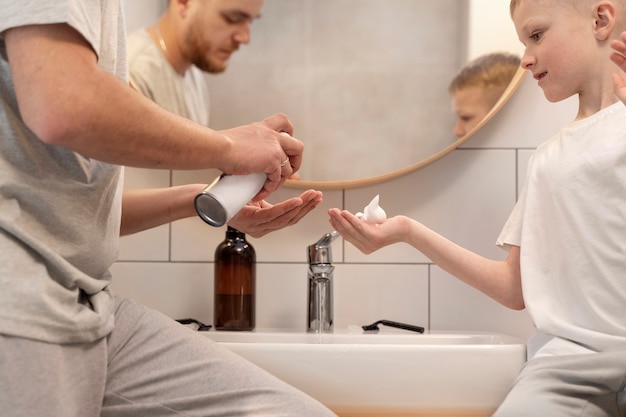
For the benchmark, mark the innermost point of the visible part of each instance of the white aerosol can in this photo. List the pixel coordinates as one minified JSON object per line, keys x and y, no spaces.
{"x":224,"y":197}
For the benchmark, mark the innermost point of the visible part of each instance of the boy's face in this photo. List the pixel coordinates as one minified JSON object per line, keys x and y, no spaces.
{"x":471,"y":105}
{"x":559,"y":44}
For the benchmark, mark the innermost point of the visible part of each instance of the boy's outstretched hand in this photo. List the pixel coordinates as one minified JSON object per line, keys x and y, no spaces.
{"x":619,"y":57}
{"x":364,"y":236}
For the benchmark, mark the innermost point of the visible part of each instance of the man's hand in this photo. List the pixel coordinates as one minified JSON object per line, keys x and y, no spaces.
{"x":260,"y":218}
{"x":266,"y":146}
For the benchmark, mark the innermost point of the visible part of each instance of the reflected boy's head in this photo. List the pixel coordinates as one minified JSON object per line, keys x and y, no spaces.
{"x":478,"y":86}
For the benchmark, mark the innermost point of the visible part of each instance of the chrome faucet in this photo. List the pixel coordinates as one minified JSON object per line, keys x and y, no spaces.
{"x":320,"y":299}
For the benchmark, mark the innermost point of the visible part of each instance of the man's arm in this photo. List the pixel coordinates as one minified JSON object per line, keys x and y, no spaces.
{"x":143,"y":209}
{"x":66,"y":100}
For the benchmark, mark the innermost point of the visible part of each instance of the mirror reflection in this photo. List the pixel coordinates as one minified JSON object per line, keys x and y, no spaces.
{"x":478,"y":86}
{"x":365,"y":82}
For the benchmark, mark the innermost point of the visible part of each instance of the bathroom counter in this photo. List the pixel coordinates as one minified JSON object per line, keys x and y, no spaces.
{"x":389,"y":373}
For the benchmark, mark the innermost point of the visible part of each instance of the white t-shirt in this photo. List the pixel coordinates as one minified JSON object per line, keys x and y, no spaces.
{"x":570,"y":223}
{"x":59,"y":211}
{"x":150,"y":73}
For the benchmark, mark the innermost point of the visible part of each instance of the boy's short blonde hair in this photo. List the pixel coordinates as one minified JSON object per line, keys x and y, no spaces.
{"x":513,"y":5}
{"x":491,"y":72}
{"x":577,"y":3}
{"x":580,"y":6}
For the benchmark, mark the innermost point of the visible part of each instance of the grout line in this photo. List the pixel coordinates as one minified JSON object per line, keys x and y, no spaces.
{"x":169,"y":226}
{"x":429,"y":302}
{"x":156,"y":261}
{"x":516,"y":174}
{"x":343,"y":241}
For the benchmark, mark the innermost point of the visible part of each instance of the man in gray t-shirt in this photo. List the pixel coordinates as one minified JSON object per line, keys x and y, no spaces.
{"x":168,"y":62}
{"x":68,"y":121}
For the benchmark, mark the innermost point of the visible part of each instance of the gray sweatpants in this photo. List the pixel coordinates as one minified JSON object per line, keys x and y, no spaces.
{"x":585,"y":385}
{"x":149,"y":366}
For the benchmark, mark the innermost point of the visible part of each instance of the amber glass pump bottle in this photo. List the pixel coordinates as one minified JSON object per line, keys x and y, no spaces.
{"x":235,"y":281}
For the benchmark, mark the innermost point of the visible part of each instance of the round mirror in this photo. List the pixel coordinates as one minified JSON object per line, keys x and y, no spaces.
{"x":400,"y":171}
{"x":365,"y":83}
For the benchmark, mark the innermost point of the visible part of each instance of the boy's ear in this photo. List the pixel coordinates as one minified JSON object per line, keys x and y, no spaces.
{"x":604,"y":13}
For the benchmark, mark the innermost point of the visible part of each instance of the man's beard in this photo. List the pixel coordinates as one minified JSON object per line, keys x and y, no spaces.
{"x":196,"y":49}
{"x":206,"y":65}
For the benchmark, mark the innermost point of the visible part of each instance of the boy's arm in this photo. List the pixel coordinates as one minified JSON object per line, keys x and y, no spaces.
{"x":499,"y":280}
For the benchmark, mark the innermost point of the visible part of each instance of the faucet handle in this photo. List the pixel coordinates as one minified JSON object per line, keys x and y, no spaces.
{"x":320,"y":252}
{"x":327,"y":239}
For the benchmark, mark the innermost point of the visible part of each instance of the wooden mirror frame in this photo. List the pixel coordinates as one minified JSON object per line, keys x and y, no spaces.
{"x":364,"y":182}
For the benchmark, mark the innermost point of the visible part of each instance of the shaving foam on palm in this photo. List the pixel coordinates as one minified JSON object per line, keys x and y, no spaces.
{"x":373,"y":213}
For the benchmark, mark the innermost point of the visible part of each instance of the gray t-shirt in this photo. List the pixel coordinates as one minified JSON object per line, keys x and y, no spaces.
{"x":59,"y":211}
{"x":152,"y":75}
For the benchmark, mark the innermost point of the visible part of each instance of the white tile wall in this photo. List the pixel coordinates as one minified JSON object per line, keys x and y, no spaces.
{"x":466,"y":196}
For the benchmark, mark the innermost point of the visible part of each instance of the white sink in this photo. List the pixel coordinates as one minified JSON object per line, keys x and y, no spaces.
{"x":392,"y":372}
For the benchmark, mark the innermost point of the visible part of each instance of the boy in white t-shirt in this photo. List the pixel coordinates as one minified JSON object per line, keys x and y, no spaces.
{"x":565,"y":238}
